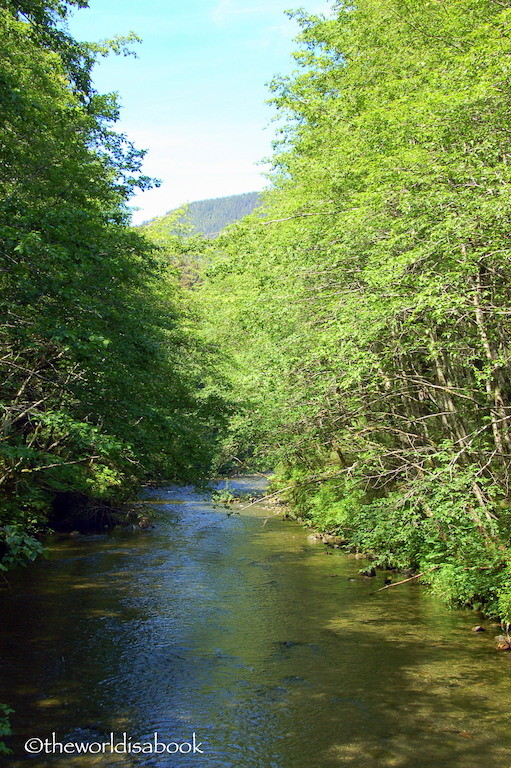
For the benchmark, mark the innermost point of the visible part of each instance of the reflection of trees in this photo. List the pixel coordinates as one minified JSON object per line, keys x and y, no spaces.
{"x":243,"y":634}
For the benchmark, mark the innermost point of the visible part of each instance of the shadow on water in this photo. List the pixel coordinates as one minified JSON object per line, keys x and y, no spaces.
{"x":250,"y":637}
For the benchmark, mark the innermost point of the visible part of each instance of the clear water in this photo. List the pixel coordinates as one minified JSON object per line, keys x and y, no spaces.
{"x":239,"y":629}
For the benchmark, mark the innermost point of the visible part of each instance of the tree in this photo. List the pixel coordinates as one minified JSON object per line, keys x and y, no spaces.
{"x":103,"y":382}
{"x":380,"y":281}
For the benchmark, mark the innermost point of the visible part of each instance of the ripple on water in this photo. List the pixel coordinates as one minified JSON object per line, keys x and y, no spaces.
{"x":241,"y":631}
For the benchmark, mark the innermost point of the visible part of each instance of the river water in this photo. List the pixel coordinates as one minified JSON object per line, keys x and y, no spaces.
{"x":272,"y":650}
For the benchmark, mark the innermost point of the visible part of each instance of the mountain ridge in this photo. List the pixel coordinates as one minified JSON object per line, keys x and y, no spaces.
{"x":209,"y":216}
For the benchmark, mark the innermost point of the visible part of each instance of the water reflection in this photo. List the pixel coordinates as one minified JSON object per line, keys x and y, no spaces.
{"x":254,"y":639}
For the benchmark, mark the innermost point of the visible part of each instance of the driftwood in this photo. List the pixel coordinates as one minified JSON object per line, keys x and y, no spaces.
{"x":417,"y":576}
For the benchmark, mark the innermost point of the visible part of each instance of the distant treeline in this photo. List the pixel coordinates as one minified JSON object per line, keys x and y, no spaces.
{"x":209,"y":217}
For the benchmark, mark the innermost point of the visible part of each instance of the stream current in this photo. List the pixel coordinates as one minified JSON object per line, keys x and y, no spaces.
{"x":274,"y":651}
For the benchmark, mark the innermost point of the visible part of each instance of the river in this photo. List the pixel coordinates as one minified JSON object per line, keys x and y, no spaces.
{"x":272,"y":650}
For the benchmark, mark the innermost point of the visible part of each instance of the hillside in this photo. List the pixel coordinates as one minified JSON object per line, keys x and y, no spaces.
{"x":209,"y":217}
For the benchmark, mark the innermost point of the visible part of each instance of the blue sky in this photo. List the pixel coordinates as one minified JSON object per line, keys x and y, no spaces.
{"x":195,"y":96}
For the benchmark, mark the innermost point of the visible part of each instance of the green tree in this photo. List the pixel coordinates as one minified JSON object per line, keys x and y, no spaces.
{"x":373,"y":298}
{"x":104,"y":382}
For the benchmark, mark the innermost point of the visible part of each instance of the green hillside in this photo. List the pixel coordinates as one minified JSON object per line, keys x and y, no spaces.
{"x":209,"y":217}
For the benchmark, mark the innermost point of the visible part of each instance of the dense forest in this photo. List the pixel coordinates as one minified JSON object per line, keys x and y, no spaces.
{"x":206,"y":217}
{"x":367,"y":309}
{"x":352,"y":333}
{"x":104,"y":384}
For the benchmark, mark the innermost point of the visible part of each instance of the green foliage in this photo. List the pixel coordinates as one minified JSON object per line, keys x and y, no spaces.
{"x":21,"y":548}
{"x":5,"y":728}
{"x":205,"y":217}
{"x":366,"y":306}
{"x":223,"y":496}
{"x":105,"y":382}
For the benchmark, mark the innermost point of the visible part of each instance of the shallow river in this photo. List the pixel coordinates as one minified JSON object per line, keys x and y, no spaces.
{"x":272,"y":650}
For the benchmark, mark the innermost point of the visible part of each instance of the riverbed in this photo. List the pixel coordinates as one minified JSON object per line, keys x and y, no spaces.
{"x":235,"y":631}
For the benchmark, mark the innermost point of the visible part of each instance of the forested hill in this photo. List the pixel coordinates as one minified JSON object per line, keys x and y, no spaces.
{"x":209,"y":217}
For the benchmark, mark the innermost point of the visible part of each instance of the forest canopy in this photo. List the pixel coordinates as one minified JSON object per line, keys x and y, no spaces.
{"x":368,"y":308}
{"x":353,"y":332}
{"x":104,"y":384}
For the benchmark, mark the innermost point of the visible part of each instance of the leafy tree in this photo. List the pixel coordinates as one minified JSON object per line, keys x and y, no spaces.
{"x":371,"y":301}
{"x":104,"y":383}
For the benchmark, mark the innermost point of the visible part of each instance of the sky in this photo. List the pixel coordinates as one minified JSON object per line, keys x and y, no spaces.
{"x":195,"y":96}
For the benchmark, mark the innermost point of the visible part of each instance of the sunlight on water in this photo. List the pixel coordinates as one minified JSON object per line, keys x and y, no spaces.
{"x":274,"y":651}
